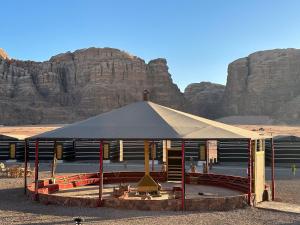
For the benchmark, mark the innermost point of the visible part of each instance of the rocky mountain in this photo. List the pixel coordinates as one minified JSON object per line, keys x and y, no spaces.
{"x":3,"y":54}
{"x":266,"y":83}
{"x":74,"y":86}
{"x":205,"y":98}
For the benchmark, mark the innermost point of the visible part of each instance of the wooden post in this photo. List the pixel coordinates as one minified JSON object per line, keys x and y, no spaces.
{"x":121,"y":158}
{"x":36,"y":166}
{"x":249,"y":171}
{"x":100,"y":173}
{"x":273,"y":170}
{"x":165,"y":151}
{"x":146,"y":151}
{"x":25,"y":167}
{"x":182,"y":176}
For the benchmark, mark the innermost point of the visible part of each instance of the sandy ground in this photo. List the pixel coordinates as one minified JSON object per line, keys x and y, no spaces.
{"x":15,"y":208}
{"x":273,"y":130}
{"x":191,"y":191}
{"x":22,"y":132}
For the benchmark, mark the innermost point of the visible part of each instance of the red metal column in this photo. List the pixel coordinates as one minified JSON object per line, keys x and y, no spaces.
{"x":100,"y":172}
{"x":273,"y":170}
{"x":207,"y":156}
{"x":182,"y":176}
{"x":25,"y":167}
{"x":166,"y":153}
{"x":249,"y":171}
{"x":36,"y":166}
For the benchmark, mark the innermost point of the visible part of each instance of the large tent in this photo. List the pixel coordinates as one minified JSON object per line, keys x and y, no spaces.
{"x":9,"y":147}
{"x":147,"y":121}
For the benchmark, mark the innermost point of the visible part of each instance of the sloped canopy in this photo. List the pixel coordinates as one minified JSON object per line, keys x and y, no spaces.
{"x":147,"y":120}
{"x":7,"y":138}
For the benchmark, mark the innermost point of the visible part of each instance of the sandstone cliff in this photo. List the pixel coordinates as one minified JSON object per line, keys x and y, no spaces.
{"x":3,"y":54}
{"x":205,"y":99}
{"x":74,"y":86}
{"x":266,"y":83}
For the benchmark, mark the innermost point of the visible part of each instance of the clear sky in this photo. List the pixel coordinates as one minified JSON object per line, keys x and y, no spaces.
{"x":198,"y":38}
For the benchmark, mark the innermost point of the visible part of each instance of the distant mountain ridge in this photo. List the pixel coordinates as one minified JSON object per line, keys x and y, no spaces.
{"x":75,"y":85}
{"x":266,"y":83}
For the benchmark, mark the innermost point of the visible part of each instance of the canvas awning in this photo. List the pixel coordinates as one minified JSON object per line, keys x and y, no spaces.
{"x":147,"y":120}
{"x":7,"y":138}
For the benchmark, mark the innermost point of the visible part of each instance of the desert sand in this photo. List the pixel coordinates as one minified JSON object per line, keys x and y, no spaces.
{"x":15,"y":208}
{"x":22,"y":132}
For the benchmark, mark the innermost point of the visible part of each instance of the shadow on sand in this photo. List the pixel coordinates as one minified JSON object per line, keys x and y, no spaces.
{"x":15,"y":200}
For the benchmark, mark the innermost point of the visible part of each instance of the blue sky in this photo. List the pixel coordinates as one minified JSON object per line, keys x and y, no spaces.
{"x":198,"y":38}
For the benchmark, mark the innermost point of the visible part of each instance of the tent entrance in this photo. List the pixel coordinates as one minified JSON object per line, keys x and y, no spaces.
{"x":174,"y":164}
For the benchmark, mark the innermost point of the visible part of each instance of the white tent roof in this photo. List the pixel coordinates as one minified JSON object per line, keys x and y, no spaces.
{"x":147,"y":120}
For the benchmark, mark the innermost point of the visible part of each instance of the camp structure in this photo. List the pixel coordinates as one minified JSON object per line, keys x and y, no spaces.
{"x":233,"y":151}
{"x":11,"y":148}
{"x":286,"y":150}
{"x":63,"y":150}
{"x":89,"y":150}
{"x":149,"y":122}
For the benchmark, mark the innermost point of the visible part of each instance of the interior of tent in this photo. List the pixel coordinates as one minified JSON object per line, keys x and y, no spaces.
{"x":149,"y":122}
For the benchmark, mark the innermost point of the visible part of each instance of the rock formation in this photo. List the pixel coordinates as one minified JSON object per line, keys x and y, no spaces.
{"x":3,"y":54}
{"x":266,"y":83}
{"x":205,"y":99}
{"x":74,"y":86}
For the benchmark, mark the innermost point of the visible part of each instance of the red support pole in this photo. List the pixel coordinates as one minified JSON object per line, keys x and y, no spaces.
{"x":25,"y":167}
{"x":249,"y":171}
{"x":182,"y":176}
{"x":207,"y":156}
{"x":36,"y":166}
{"x":100,"y":172}
{"x":273,"y":170}
{"x":166,"y":153}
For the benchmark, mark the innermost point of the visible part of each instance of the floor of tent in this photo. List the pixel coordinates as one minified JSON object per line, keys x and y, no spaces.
{"x":192,"y":191}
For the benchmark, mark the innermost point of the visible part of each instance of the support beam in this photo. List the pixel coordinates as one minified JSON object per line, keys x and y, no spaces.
{"x":249,"y":171}
{"x":121,"y":151}
{"x":146,"y":149}
{"x":100,"y":173}
{"x":147,"y":184}
{"x":182,"y":176}
{"x":273,"y":170}
{"x":36,"y":167}
{"x":165,"y":151}
{"x":25,"y":167}
{"x":207,"y":156}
